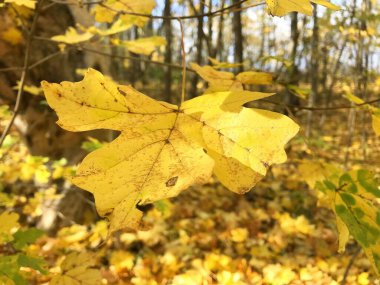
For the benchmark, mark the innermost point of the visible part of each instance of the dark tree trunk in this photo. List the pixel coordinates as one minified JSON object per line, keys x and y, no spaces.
{"x":238,"y":33}
{"x":168,"y":51}
{"x":293,"y":77}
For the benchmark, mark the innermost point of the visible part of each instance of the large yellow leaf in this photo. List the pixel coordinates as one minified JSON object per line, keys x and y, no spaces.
{"x":282,"y":7}
{"x":76,"y":270}
{"x":163,"y":148}
{"x":110,"y":8}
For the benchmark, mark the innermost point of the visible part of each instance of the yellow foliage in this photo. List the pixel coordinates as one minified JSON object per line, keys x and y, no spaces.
{"x":117,"y":27}
{"x":8,"y":223}
{"x":313,"y":171}
{"x":282,"y":7}
{"x":75,"y":270}
{"x":34,"y":168}
{"x":239,"y":234}
{"x":12,"y":36}
{"x":376,"y":123}
{"x":294,"y":226}
{"x":217,"y":64}
{"x":374,"y":111}
{"x":31,"y":89}
{"x":190,"y":277}
{"x":226,"y":81}
{"x":31,"y":4}
{"x":110,"y":8}
{"x":255,"y":78}
{"x":72,"y":36}
{"x":166,"y":148}
{"x":122,"y":260}
{"x":35,"y":205}
{"x":276,"y":274}
{"x":144,"y":46}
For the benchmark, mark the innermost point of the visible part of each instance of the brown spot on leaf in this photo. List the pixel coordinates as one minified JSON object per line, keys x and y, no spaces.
{"x":172,"y":181}
{"x":266,"y":165}
{"x":121,"y":91}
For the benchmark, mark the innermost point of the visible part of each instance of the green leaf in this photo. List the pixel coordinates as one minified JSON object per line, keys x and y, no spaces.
{"x":352,"y":199}
{"x":9,"y":268}
{"x":32,"y":262}
{"x":24,"y":237}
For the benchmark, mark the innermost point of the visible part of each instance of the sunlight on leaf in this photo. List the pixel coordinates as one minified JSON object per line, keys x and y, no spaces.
{"x":161,"y":150}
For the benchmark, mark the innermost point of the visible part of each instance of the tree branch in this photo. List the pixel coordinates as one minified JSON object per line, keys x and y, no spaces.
{"x":24,"y":74}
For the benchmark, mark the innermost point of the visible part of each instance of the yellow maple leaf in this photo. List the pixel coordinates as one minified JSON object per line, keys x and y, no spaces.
{"x":163,"y":148}
{"x":72,"y":36}
{"x":8,"y":222}
{"x":106,"y":12}
{"x":145,"y":46}
{"x":282,"y":7}
{"x":227,"y":81}
{"x":76,"y":270}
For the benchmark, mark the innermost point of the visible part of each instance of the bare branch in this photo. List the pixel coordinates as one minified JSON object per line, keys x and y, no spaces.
{"x":24,"y":74}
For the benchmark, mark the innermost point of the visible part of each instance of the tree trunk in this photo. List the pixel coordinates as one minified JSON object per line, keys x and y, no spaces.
{"x":314,"y":71}
{"x":168,"y":51}
{"x":238,"y":32}
{"x":198,"y":59}
{"x":293,"y":77}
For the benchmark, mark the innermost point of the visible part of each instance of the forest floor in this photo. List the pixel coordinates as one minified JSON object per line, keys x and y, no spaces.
{"x":278,"y":233}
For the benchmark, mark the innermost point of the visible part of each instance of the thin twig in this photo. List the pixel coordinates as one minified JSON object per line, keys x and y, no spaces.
{"x":9,"y":69}
{"x":134,"y":58}
{"x":24,"y":74}
{"x":323,"y":108}
{"x":352,"y":260}
{"x":37,"y":63}
{"x":208,"y":14}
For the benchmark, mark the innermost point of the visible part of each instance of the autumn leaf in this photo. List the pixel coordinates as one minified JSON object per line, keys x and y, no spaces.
{"x":117,"y":27}
{"x":375,"y":112}
{"x":282,"y":7}
{"x":216,"y":64}
{"x":110,"y":8}
{"x":76,"y":270}
{"x":352,"y":198}
{"x":227,"y":81}
{"x":72,"y":36}
{"x":31,"y":4}
{"x":8,"y":222}
{"x":376,"y":122}
{"x":144,"y":46}
{"x":163,"y":149}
